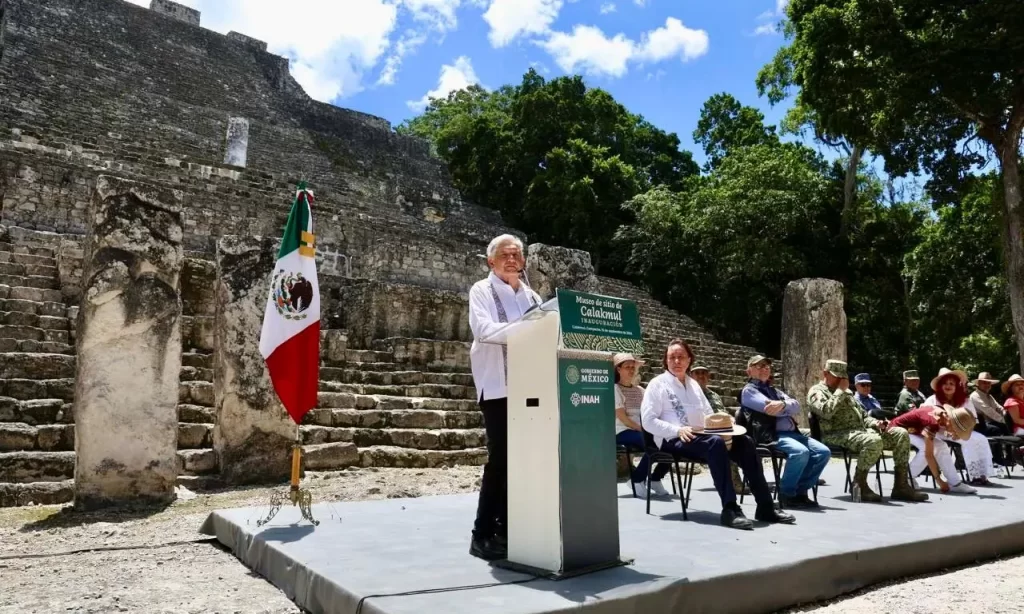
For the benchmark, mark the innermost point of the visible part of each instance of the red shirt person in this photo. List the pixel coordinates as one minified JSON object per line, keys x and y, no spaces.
{"x":924,"y":425}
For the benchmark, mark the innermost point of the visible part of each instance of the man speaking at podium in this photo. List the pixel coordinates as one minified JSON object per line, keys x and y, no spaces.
{"x":493,"y":302}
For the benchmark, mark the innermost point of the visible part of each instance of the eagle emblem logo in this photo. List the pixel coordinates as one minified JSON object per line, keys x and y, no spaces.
{"x":292,"y":294}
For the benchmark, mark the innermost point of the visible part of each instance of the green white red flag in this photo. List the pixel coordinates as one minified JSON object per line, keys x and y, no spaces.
{"x":290,"y":340}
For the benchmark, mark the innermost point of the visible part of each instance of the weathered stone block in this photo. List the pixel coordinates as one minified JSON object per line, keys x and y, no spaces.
{"x":328,"y":456}
{"x":177,"y":11}
{"x":549,"y":267}
{"x":237,"y":145}
{"x":813,"y":331}
{"x":254,"y":433}
{"x":129,"y":347}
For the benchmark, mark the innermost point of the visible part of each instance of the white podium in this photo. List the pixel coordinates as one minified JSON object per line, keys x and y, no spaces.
{"x":562,"y":495}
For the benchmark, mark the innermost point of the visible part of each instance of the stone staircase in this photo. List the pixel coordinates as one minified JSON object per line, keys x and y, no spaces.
{"x":37,"y":370}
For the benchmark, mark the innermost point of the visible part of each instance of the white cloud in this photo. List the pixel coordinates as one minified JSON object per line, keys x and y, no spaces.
{"x":640,"y":3}
{"x":589,"y":50}
{"x":768,"y":21}
{"x":408,"y":43}
{"x":332,"y":44}
{"x":765,"y":29}
{"x":510,"y":19}
{"x":780,"y":6}
{"x":439,"y":13}
{"x":607,"y":7}
{"x":453,"y":77}
{"x":673,"y":40}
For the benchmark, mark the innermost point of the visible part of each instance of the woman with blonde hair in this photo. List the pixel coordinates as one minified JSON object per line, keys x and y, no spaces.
{"x":950,"y":388}
{"x":925,"y":424}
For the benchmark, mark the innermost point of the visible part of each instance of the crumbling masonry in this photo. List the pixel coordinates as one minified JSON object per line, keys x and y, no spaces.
{"x":102,"y":93}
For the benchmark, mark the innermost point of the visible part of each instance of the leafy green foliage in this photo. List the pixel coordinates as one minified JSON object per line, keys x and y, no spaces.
{"x":726,"y":125}
{"x":556,"y":158}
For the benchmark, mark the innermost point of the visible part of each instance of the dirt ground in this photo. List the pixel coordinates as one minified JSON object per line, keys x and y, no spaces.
{"x":134,"y":571}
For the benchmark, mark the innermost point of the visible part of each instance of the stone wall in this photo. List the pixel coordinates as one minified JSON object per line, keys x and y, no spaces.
{"x":813,"y":331}
{"x":375,"y":310}
{"x":144,"y":109}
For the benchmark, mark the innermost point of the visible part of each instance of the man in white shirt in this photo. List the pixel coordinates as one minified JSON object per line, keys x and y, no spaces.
{"x":493,"y":302}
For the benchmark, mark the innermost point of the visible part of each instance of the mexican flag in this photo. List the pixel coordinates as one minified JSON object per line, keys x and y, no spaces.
{"x":290,"y":341}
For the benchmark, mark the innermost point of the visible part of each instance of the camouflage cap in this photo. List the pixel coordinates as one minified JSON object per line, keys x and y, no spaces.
{"x":837,"y":368}
{"x":911,"y":375}
{"x":757,"y":358}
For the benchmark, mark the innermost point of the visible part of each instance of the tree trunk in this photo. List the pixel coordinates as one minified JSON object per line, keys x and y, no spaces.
{"x":1009,"y":155}
{"x":850,"y":189}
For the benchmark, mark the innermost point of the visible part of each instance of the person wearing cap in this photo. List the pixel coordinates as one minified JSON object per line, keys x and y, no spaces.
{"x":950,"y":388}
{"x":702,"y":375}
{"x":674,"y":411}
{"x":1013,"y":391}
{"x":500,"y":298}
{"x":925,"y":424}
{"x":986,"y":405}
{"x":806,"y":458}
{"x":911,"y":396}
{"x":867,"y":401}
{"x":629,"y":396}
{"x":844,"y":425}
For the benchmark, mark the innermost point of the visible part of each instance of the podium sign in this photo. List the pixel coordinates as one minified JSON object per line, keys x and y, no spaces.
{"x":562,"y":493}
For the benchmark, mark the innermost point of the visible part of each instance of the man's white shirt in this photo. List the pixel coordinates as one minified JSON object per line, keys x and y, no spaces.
{"x":670,"y":404}
{"x":487,"y":359}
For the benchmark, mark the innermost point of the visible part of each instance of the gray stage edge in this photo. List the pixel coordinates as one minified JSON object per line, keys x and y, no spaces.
{"x":400,"y":546}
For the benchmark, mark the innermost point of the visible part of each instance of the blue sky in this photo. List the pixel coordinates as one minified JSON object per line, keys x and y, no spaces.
{"x":660,"y":58}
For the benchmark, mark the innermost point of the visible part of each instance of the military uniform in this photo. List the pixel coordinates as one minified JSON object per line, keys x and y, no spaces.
{"x":909,"y":399}
{"x":844,"y":424}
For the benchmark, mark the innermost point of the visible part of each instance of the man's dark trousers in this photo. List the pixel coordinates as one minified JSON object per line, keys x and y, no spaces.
{"x":492,"y":508}
{"x":712,"y":450}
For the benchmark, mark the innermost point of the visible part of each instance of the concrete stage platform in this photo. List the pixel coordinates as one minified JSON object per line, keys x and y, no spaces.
{"x":409,"y":556}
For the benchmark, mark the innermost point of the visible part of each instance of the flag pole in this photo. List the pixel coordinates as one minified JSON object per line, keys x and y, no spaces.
{"x":300,"y":231}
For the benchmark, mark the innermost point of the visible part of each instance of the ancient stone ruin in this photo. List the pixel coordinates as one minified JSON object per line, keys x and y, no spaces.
{"x":103,"y":102}
{"x":813,"y":331}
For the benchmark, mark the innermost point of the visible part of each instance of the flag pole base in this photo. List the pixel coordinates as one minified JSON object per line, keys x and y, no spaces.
{"x":299,"y":497}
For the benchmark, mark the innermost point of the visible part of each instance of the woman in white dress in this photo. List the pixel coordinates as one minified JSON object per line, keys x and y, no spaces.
{"x":951,"y":389}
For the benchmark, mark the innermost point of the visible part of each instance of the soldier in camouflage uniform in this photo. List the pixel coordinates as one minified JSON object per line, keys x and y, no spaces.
{"x":702,"y":375}
{"x":844,"y":425}
{"x":911,"y":396}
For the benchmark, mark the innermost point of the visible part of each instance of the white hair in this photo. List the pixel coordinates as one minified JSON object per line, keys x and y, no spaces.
{"x":496,"y":242}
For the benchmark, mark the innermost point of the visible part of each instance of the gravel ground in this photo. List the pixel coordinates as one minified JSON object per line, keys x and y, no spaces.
{"x":137,"y":572}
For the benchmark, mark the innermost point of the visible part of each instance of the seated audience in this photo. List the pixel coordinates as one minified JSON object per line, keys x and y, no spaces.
{"x":776,"y":412}
{"x":844,"y":425}
{"x":702,"y":375}
{"x":1013,"y":390}
{"x":911,"y":396}
{"x":867,"y":401}
{"x":674,"y":410}
{"x":951,"y":389}
{"x":986,"y":405}
{"x":628,"y":397}
{"x":926,"y":423}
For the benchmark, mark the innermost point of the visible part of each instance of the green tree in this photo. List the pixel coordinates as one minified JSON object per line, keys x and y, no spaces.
{"x":723,"y":250}
{"x":556,"y":158}
{"x":919,"y":82}
{"x":961,"y":314}
{"x":726,"y":125}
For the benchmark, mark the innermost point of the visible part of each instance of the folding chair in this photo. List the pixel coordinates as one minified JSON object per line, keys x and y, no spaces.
{"x":629,"y":451}
{"x":654,"y":457}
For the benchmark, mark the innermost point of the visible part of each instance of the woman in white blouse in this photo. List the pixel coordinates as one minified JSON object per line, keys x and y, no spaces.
{"x":673,"y":412}
{"x":950,"y":387}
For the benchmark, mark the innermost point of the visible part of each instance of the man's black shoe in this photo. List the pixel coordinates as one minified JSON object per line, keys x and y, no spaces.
{"x":796,"y":502}
{"x":502,"y":541}
{"x":487,"y":549}
{"x":732,"y":517}
{"x":773,"y":515}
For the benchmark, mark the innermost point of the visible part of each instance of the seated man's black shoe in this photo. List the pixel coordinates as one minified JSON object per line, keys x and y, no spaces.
{"x":796,"y":502}
{"x":488,"y":549}
{"x":773,"y":515}
{"x":502,"y":541}
{"x":732,"y":517}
